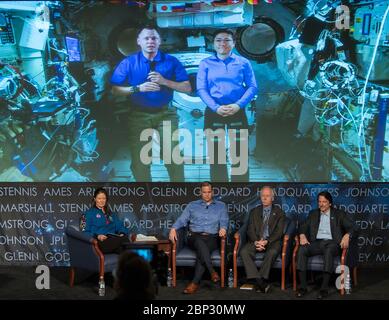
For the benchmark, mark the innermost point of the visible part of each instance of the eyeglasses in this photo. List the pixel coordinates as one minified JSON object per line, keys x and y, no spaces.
{"x":223,"y":40}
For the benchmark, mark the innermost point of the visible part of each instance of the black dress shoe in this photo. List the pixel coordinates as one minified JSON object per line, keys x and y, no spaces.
{"x":301,"y":292}
{"x":322,"y":294}
{"x":265,"y":288}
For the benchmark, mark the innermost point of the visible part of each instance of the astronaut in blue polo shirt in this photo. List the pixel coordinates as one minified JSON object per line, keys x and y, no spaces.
{"x":148,"y":78}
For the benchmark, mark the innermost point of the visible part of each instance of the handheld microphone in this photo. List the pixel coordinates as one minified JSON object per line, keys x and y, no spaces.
{"x":152,"y":66}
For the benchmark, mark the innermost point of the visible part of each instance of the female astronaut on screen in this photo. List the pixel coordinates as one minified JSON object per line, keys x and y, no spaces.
{"x":226,"y":84}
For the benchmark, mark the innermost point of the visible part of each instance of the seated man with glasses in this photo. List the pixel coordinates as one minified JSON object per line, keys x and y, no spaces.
{"x":264,"y":233}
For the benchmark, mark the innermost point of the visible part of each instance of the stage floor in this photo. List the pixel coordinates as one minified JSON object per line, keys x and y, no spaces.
{"x":19,"y":283}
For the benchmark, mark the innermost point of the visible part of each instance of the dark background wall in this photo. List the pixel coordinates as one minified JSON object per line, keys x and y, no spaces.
{"x":33,"y":216}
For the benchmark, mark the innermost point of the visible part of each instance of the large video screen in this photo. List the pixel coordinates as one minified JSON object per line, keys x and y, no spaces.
{"x":167,"y":91}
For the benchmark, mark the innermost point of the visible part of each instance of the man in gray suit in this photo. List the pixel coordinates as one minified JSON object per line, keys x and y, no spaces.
{"x":325,"y":232}
{"x":264,"y":233}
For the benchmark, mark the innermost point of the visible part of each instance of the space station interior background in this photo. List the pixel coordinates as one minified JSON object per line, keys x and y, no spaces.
{"x":320,"y":113}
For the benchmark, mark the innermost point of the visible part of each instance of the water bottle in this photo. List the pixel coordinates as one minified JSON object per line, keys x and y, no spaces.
{"x":169,"y":277}
{"x":347,"y":284}
{"x":101,"y":288}
{"x":230,"y":279}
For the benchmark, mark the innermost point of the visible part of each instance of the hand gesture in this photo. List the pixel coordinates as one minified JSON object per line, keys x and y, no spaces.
{"x":222,"y":232}
{"x":156,"y":77}
{"x":233,"y":108}
{"x":303,"y":240}
{"x":223,"y":111}
{"x":345,"y":241}
{"x":228,"y":110}
{"x":149,"y":87}
{"x":173,"y":235}
{"x":261,"y":245}
{"x":101,"y":237}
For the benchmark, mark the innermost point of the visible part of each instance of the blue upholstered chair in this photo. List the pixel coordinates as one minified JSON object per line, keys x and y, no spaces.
{"x":283,"y":259}
{"x":183,"y":256}
{"x":85,"y":253}
{"x":348,"y":257}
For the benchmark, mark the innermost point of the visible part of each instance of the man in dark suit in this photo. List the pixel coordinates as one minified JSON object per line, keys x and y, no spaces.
{"x":264,"y":233}
{"x":325,"y":232}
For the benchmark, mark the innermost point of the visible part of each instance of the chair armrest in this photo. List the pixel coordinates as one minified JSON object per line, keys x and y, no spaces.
{"x":296,"y":247}
{"x":352,"y":252}
{"x":173,"y":262}
{"x":291,"y":229}
{"x":342,"y":264}
{"x":235,"y":257}
{"x":289,"y":235}
{"x":285,"y":242}
{"x":240,"y":238}
{"x":181,"y":238}
{"x":223,"y":243}
{"x":343,"y":256}
{"x":294,"y":264}
{"x":84,"y":251}
{"x":237,"y":238}
{"x":79,"y":235}
{"x":176,"y":246}
{"x":222,"y":259}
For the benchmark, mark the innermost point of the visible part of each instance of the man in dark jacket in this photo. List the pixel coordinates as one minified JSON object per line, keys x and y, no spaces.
{"x":325,"y":232}
{"x":264,"y":233}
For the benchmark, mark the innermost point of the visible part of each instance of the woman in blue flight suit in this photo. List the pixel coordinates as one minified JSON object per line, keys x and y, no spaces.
{"x":104,"y":225}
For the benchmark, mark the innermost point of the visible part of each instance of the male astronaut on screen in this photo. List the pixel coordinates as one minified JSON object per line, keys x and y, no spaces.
{"x":148,"y":79}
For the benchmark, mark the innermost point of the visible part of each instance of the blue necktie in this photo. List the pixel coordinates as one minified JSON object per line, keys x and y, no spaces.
{"x":265,"y":227}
